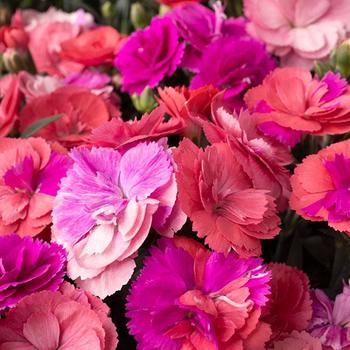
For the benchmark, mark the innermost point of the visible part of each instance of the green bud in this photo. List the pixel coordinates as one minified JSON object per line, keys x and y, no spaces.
{"x":144,"y":102}
{"x":138,"y":16}
{"x":164,"y":9}
{"x":108,"y":10}
{"x":16,"y":60}
{"x":321,"y":68}
{"x":341,"y":59}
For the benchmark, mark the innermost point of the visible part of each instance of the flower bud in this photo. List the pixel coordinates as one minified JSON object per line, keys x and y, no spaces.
{"x":16,"y":60}
{"x":144,"y":102}
{"x":138,"y":16}
{"x":5,"y":15}
{"x":340,"y":59}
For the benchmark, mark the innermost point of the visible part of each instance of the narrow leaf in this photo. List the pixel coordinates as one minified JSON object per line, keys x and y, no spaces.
{"x":40,"y":124}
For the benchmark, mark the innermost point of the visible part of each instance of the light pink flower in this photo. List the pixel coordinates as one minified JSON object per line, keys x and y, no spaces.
{"x":106,"y":207}
{"x":67,"y":319}
{"x":299,"y":31}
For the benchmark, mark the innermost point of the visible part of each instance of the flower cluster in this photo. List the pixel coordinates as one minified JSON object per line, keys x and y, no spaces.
{"x":182,"y":178}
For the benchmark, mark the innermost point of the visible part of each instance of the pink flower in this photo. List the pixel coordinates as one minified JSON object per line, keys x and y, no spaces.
{"x":298,"y":341}
{"x":29,"y":176}
{"x":321,"y":187}
{"x":299,"y":31}
{"x":256,"y":153}
{"x":10,"y":96}
{"x":105,"y":208}
{"x":46,"y":33}
{"x":221,"y":200}
{"x":67,"y":319}
{"x":289,"y":306}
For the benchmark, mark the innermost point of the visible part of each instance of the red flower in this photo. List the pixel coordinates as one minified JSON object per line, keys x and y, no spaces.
{"x":94,"y":47}
{"x":220,"y":199}
{"x":289,"y":306}
{"x":82,"y":111}
{"x":11,"y":37}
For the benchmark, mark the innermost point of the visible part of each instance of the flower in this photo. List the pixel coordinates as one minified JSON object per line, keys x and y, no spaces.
{"x":116,"y":198}
{"x":12,"y":37}
{"x":321,"y":187}
{"x":94,"y":47}
{"x":290,"y":102}
{"x":81,"y":112}
{"x":33,"y":86}
{"x":29,"y":177}
{"x":256,"y":153}
{"x":289,"y":306}
{"x":46,"y":33}
{"x":66,"y":319}
{"x":28,"y":266}
{"x":298,"y":31}
{"x":247,"y":68}
{"x":221,"y":200}
{"x":199,"y":26}
{"x":205,"y":300}
{"x":298,"y":341}
{"x":10,"y":96}
{"x":149,"y":55}
{"x":330,"y":319}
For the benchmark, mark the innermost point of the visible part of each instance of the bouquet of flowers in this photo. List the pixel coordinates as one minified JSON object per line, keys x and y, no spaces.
{"x":175,"y":175}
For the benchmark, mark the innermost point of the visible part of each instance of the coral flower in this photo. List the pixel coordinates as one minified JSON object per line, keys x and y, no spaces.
{"x":29,"y":177}
{"x":299,"y":31}
{"x":221,"y":200}
{"x":105,"y":208}
{"x":81,"y":112}
{"x":330,"y":319}
{"x":321,"y":187}
{"x":205,"y":300}
{"x":28,"y":266}
{"x":290,"y":102}
{"x":66,"y":319}
{"x":298,"y":341}
{"x":94,"y":47}
{"x":256,"y":153}
{"x":149,"y":55}
{"x":288,"y":283}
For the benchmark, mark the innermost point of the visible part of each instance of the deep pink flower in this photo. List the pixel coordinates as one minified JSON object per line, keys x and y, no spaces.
{"x":105,"y":208}
{"x":149,"y":55}
{"x":28,"y":266}
{"x":299,"y":31}
{"x":67,"y":319}
{"x":222,"y":201}
{"x":187,"y":297}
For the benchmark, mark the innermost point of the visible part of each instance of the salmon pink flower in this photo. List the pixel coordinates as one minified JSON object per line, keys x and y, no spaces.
{"x":299,"y":31}
{"x":321,"y":186}
{"x":81,"y":112}
{"x":330,"y":319}
{"x":288,"y":283}
{"x":298,"y":341}
{"x":205,"y":300}
{"x":10,"y":96}
{"x":221,"y":200}
{"x":93,"y":47}
{"x":28,"y":266}
{"x":290,"y":102}
{"x":67,"y":319}
{"x":105,"y":209}
{"x":149,"y":55}
{"x":256,"y":153}
{"x":29,"y":177}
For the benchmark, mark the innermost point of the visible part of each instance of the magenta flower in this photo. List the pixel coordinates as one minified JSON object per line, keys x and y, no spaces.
{"x":330,"y":319}
{"x":149,"y":55}
{"x":235,"y":64}
{"x":28,"y":266}
{"x":105,"y":208}
{"x":187,"y":297}
{"x":199,"y":26}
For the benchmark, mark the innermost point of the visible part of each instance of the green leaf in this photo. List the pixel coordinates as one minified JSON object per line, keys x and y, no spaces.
{"x":40,"y":124}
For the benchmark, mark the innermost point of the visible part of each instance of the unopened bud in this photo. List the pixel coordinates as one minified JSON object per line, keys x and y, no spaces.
{"x":16,"y":60}
{"x":144,"y":102}
{"x":138,"y":16}
{"x":341,"y":59}
{"x":164,"y":9}
{"x":108,"y":10}
{"x":5,"y":15}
